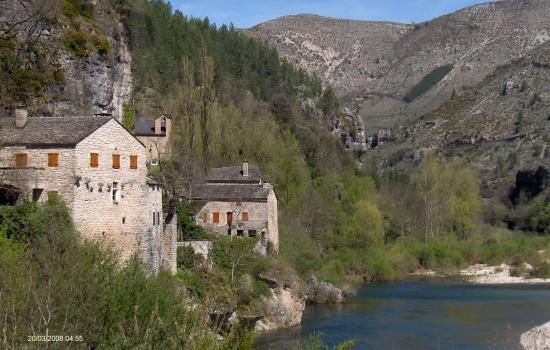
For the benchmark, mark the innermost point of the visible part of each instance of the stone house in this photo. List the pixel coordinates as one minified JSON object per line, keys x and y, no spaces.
{"x":155,"y":135}
{"x":98,"y":169}
{"x":235,"y":201}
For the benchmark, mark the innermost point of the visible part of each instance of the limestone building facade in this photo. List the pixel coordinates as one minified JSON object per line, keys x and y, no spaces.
{"x":155,"y":135}
{"x":98,"y":169}
{"x":236,"y":202}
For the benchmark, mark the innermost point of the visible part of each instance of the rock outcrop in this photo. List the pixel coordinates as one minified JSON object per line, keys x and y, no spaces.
{"x":537,"y":338}
{"x":282,"y":310}
{"x":323,"y":292}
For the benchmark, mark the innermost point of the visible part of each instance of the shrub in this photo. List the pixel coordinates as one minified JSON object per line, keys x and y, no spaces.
{"x":187,"y":258}
{"x":541,"y":270}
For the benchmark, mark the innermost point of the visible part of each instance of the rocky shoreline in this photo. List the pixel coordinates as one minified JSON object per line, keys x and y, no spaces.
{"x":537,"y":338}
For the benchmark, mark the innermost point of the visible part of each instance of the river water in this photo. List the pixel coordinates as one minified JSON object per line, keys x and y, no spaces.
{"x":424,"y":315}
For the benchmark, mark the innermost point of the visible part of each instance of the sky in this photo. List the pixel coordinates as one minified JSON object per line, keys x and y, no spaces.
{"x":247,"y":13}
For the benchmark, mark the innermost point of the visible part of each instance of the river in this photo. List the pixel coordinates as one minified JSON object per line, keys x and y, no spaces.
{"x":424,"y":315}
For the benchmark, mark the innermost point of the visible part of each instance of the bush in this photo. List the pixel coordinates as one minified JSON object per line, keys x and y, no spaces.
{"x":187,"y":258}
{"x":541,"y":270}
{"x":83,"y":44}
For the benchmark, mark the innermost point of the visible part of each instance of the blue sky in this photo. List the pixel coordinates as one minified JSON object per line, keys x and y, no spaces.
{"x":246,"y":13}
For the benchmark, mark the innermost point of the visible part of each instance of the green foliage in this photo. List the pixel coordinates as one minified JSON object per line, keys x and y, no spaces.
{"x":536,"y":217}
{"x":128,"y":119}
{"x":21,"y":76}
{"x":190,"y":230}
{"x":234,"y":254}
{"x":329,"y":103}
{"x":187,"y":258}
{"x":75,"y":8}
{"x":86,"y":291}
{"x":429,"y":81}
{"x":83,"y":44}
{"x":315,"y":342}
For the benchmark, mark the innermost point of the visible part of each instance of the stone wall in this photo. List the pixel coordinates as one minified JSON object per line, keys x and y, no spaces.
{"x":169,"y":245}
{"x":257,"y":217}
{"x":37,"y":174}
{"x":272,"y":218}
{"x":119,"y":222}
{"x":262,"y":218}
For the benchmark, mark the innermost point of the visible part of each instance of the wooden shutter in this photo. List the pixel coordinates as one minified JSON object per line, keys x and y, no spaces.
{"x":216,"y":218}
{"x":21,"y":160}
{"x":116,"y":161}
{"x":244,"y":216}
{"x":133,"y":162}
{"x":229,"y":218}
{"x":94,"y":160}
{"x":53,"y":160}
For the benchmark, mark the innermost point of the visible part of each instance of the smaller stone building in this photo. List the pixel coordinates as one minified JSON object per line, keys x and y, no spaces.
{"x":155,"y":135}
{"x":98,"y":169}
{"x":235,"y":201}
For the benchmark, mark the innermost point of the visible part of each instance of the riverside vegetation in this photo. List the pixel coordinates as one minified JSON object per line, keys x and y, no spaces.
{"x":231,"y":98}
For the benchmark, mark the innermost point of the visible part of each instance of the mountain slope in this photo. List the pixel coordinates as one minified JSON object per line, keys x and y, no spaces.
{"x":500,"y":126}
{"x":379,"y":63}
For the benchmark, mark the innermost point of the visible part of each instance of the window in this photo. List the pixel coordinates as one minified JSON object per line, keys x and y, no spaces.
{"x":240,"y":233}
{"x":115,"y":192}
{"x":116,"y":161}
{"x":251,"y":233}
{"x":154,"y":219}
{"x":53,"y":160}
{"x":244,"y":216}
{"x":133,"y":162}
{"x":94,"y":160}
{"x":216,"y":218}
{"x":36,"y":194}
{"x":123,"y":220}
{"x":158,"y":217}
{"x":21,"y":160}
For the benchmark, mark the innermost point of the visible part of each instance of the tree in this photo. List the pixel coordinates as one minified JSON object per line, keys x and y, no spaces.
{"x":234,"y":254}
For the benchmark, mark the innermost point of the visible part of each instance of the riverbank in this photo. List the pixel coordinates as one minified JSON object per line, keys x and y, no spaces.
{"x":486,"y":274}
{"x":502,"y":274}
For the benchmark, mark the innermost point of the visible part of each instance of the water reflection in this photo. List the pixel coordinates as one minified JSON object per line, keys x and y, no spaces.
{"x":425,"y":315}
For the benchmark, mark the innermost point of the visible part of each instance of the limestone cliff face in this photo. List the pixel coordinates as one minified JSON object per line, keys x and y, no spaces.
{"x":97,"y":84}
{"x":90,"y":79}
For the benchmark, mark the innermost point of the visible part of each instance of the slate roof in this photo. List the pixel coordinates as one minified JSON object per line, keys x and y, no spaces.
{"x":224,"y":193}
{"x":144,"y":127}
{"x":234,"y":174}
{"x":49,"y":131}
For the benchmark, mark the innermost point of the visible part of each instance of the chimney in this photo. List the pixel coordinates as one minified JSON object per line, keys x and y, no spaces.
{"x":21,"y":116}
{"x":245,"y":168}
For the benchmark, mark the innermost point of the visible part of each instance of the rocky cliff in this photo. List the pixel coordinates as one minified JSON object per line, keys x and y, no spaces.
{"x":537,"y":338}
{"x":82,"y":44}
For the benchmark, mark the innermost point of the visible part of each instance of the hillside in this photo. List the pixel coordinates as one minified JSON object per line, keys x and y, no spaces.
{"x":501,"y":125}
{"x":379,"y":63}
